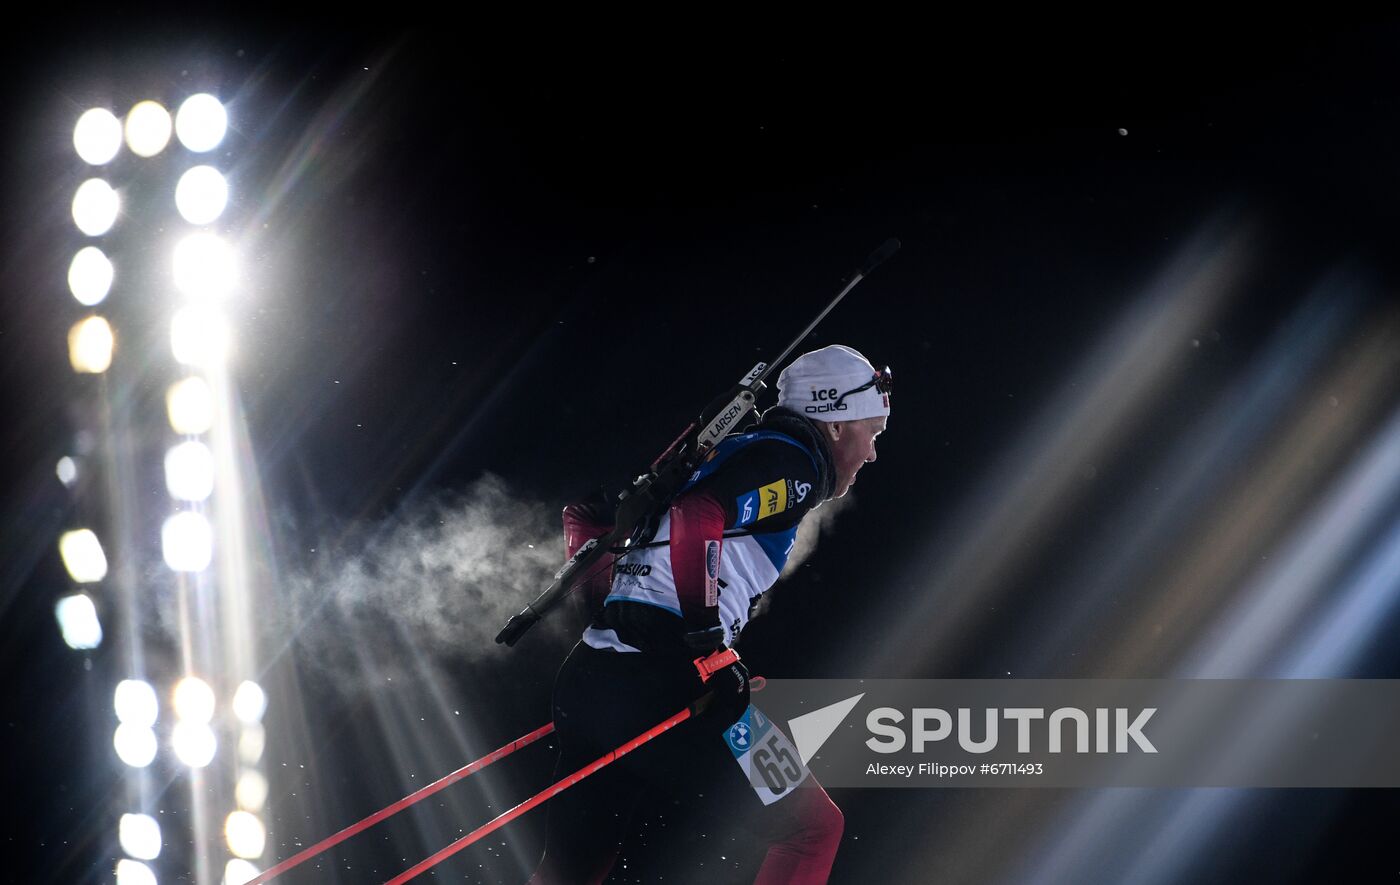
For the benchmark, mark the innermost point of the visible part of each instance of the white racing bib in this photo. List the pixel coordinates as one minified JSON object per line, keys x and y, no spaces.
{"x":768,"y":759}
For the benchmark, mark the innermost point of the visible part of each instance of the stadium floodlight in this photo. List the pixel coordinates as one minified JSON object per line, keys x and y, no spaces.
{"x":189,"y":471}
{"x":194,"y":743}
{"x":67,"y":470}
{"x":90,"y":346}
{"x":245,"y":834}
{"x":199,"y":336}
{"x":249,"y":702}
{"x":239,"y":872}
{"x":95,"y":207}
{"x":90,"y":276}
{"x":82,"y":556}
{"x":204,"y":266}
{"x":251,"y":790}
{"x":190,"y":405}
{"x":148,"y":128}
{"x":135,"y":744}
{"x":251,"y":743}
{"x":201,"y":194}
{"x":134,"y":872}
{"x":193,"y":700}
{"x":139,"y":835}
{"x":77,"y":620}
{"x":135,"y":702}
{"x":201,"y":122}
{"x":97,"y":136}
{"x":187,"y":542}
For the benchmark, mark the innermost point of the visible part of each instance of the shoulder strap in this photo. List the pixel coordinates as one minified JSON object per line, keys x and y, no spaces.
{"x":722,"y":453}
{"x":731,"y":446}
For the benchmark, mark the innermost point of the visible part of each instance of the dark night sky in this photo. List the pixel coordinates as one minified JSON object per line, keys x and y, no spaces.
{"x":538,"y":257}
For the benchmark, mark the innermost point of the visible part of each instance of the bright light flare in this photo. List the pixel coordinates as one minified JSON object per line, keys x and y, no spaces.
{"x":251,"y":791}
{"x":135,"y":744}
{"x":239,"y":872}
{"x":189,"y":471}
{"x":249,"y":702}
{"x":139,"y":835}
{"x":201,"y":195}
{"x":187,"y":542}
{"x":98,"y":136}
{"x":90,"y":346}
{"x":77,"y":619}
{"x":90,"y":276}
{"x":147,"y":128}
{"x":194,"y":743}
{"x":194,"y":700}
{"x":67,"y":470}
{"x":204,"y":266}
{"x":201,"y":122}
{"x":82,"y":556}
{"x":190,"y":405}
{"x":199,"y":337}
{"x":95,"y":207}
{"x":245,"y":834}
{"x":135,"y":702}
{"x":134,"y":872}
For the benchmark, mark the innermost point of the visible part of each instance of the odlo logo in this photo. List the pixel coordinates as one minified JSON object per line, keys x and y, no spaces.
{"x":825,"y":401}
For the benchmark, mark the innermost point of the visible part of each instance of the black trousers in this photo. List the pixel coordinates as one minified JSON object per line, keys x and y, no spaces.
{"x":603,"y":699}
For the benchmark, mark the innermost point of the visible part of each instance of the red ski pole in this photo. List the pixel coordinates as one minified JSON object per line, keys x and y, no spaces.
{"x":440,"y":784}
{"x":548,"y":793}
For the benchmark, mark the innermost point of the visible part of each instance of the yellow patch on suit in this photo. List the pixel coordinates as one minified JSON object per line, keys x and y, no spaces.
{"x":772,"y":498}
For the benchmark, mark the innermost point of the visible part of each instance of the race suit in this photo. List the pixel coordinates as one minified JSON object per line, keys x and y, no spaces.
{"x":721,"y":545}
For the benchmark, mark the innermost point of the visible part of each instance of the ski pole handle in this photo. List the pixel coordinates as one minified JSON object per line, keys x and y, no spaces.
{"x":712,"y":664}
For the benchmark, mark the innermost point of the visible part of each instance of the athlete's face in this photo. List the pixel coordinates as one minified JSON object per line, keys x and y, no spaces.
{"x":852,"y":447}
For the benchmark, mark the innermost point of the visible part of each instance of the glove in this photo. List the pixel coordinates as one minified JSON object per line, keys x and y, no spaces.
{"x":707,"y":641}
{"x":728,"y":685}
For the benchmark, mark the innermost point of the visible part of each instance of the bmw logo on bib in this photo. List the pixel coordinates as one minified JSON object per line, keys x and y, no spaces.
{"x":739,"y":737}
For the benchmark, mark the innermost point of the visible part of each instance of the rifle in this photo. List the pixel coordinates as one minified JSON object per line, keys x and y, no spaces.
{"x":640,"y":507}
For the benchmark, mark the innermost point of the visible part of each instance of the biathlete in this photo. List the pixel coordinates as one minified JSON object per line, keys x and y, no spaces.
{"x":666,"y":615}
